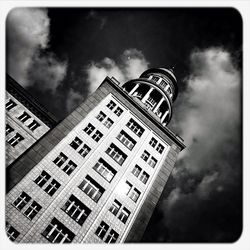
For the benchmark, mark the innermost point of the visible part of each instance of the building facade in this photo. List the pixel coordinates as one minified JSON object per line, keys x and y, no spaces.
{"x":98,"y":175}
{"x":26,"y":121}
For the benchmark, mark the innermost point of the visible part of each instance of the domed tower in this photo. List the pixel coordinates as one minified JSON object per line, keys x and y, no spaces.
{"x":156,"y":89}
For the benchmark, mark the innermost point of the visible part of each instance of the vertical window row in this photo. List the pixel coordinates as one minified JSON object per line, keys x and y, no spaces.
{"x":111,"y":105}
{"x":124,"y":213}
{"x":89,"y":129}
{"x":84,"y":150}
{"x":103,"y":230}
{"x":106,"y":122}
{"x":150,"y":160}
{"x":159,"y":147}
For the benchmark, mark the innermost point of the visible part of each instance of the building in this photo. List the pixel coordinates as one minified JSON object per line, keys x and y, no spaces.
{"x":98,"y":175}
{"x":26,"y":120}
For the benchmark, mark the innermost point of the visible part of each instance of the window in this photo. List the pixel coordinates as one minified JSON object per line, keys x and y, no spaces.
{"x":101,"y":116}
{"x":52,"y":187}
{"x":153,"y":142}
{"x":115,"y":207}
{"x":108,"y":123}
{"x":123,"y":216}
{"x":152,"y":162}
{"x":76,"y":210}
{"x":97,"y":135}
{"x":135,"y":127}
{"x":8,"y":129}
{"x":154,"y":78}
{"x":102,"y":230}
{"x":112,"y":236}
{"x":60,"y":159}
{"x":126,"y":140}
{"x":10,"y":105}
{"x":91,"y":188}
{"x":145,"y":155}
{"x":70,"y":167}
{"x":127,"y":187}
{"x":14,"y":140}
{"x":21,"y":201}
{"x":144,"y":177}
{"x":33,"y":125}
{"x":136,"y":170}
{"x":118,"y":111}
{"x":105,"y":170}
{"x":76,"y":143}
{"x":84,"y":150}
{"x":163,"y":84}
{"x":56,"y":232}
{"x":116,"y":154}
{"x":89,"y":129}
{"x":42,"y":179}
{"x":12,"y":233}
{"x":160,"y":148}
{"x":111,"y":105}
{"x":134,"y":195}
{"x":24,"y":117}
{"x":32,"y":210}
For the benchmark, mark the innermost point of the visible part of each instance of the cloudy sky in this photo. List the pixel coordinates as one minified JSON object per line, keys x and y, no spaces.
{"x":61,"y":55}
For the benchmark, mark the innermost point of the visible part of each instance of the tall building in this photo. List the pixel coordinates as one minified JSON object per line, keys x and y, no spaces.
{"x":26,"y":120}
{"x":98,"y":175}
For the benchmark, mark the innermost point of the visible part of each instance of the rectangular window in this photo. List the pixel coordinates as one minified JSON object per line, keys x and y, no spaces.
{"x":8,"y":129}
{"x":145,"y":155}
{"x":144,"y":177}
{"x":21,"y":201}
{"x":115,"y":207}
{"x":10,"y":105}
{"x":136,"y":170}
{"x":70,"y":167}
{"x":152,"y":162}
{"x":116,"y":154}
{"x":101,"y":116}
{"x":102,"y":230}
{"x":153,"y":142}
{"x":97,"y":135}
{"x":76,"y":210}
{"x":134,"y":194}
{"x":111,"y":105}
{"x":12,"y":233}
{"x":89,"y":129}
{"x":24,"y":117}
{"x":108,"y":123}
{"x":105,"y":170}
{"x":118,"y":111}
{"x":160,"y":148}
{"x":14,"y":140}
{"x":76,"y":143}
{"x":84,"y":150}
{"x":127,"y":188}
{"x":56,"y":232}
{"x":123,"y":216}
{"x":112,"y":236}
{"x":52,"y":187}
{"x":126,"y":140}
{"x":154,"y":78}
{"x":42,"y":179}
{"x":32,"y":210}
{"x":135,"y":127}
{"x":33,"y":125}
{"x":91,"y":188}
{"x":60,"y":159}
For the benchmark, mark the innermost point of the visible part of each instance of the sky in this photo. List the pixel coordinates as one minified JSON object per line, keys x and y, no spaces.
{"x":61,"y":55}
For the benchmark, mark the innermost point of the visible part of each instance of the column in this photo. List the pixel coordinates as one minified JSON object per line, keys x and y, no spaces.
{"x":147,"y":95}
{"x":134,"y":89}
{"x":158,"y":105}
{"x":164,"y":116}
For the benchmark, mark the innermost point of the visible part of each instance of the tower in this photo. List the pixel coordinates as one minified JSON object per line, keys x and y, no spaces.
{"x":98,"y":175}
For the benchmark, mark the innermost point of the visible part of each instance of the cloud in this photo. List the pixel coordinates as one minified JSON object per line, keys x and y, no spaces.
{"x":96,"y":16}
{"x":72,"y":100}
{"x":28,"y":60}
{"x":132,"y":63}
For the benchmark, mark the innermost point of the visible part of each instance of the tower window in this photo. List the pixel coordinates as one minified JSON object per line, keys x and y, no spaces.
{"x":97,"y":135}
{"x":105,"y":170}
{"x":70,"y":167}
{"x":10,"y":105}
{"x":115,"y":207}
{"x":12,"y":233}
{"x":136,"y":170}
{"x":135,"y":127}
{"x":152,"y":162}
{"x":126,"y":140}
{"x":84,"y":150}
{"x":33,"y":125}
{"x":160,"y":148}
{"x":14,"y":140}
{"x":89,"y":129}
{"x":101,"y":116}
{"x":21,"y":201}
{"x":163,"y":84}
{"x":91,"y":188}
{"x":42,"y":179}
{"x":111,"y":105}
{"x":116,"y":154}
{"x":144,"y":177}
{"x":56,"y":232}
{"x":134,"y":194}
{"x":145,"y":155}
{"x":76,"y":210}
{"x":112,"y":236}
{"x":32,"y":210}
{"x":8,"y":129}
{"x":108,"y":123}
{"x":102,"y":230}
{"x":153,"y":142}
{"x":24,"y":117}
{"x":76,"y":143}
{"x":154,"y":78}
{"x":60,"y":159}
{"x":118,"y":111}
{"x":52,"y":187}
{"x":123,"y":216}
